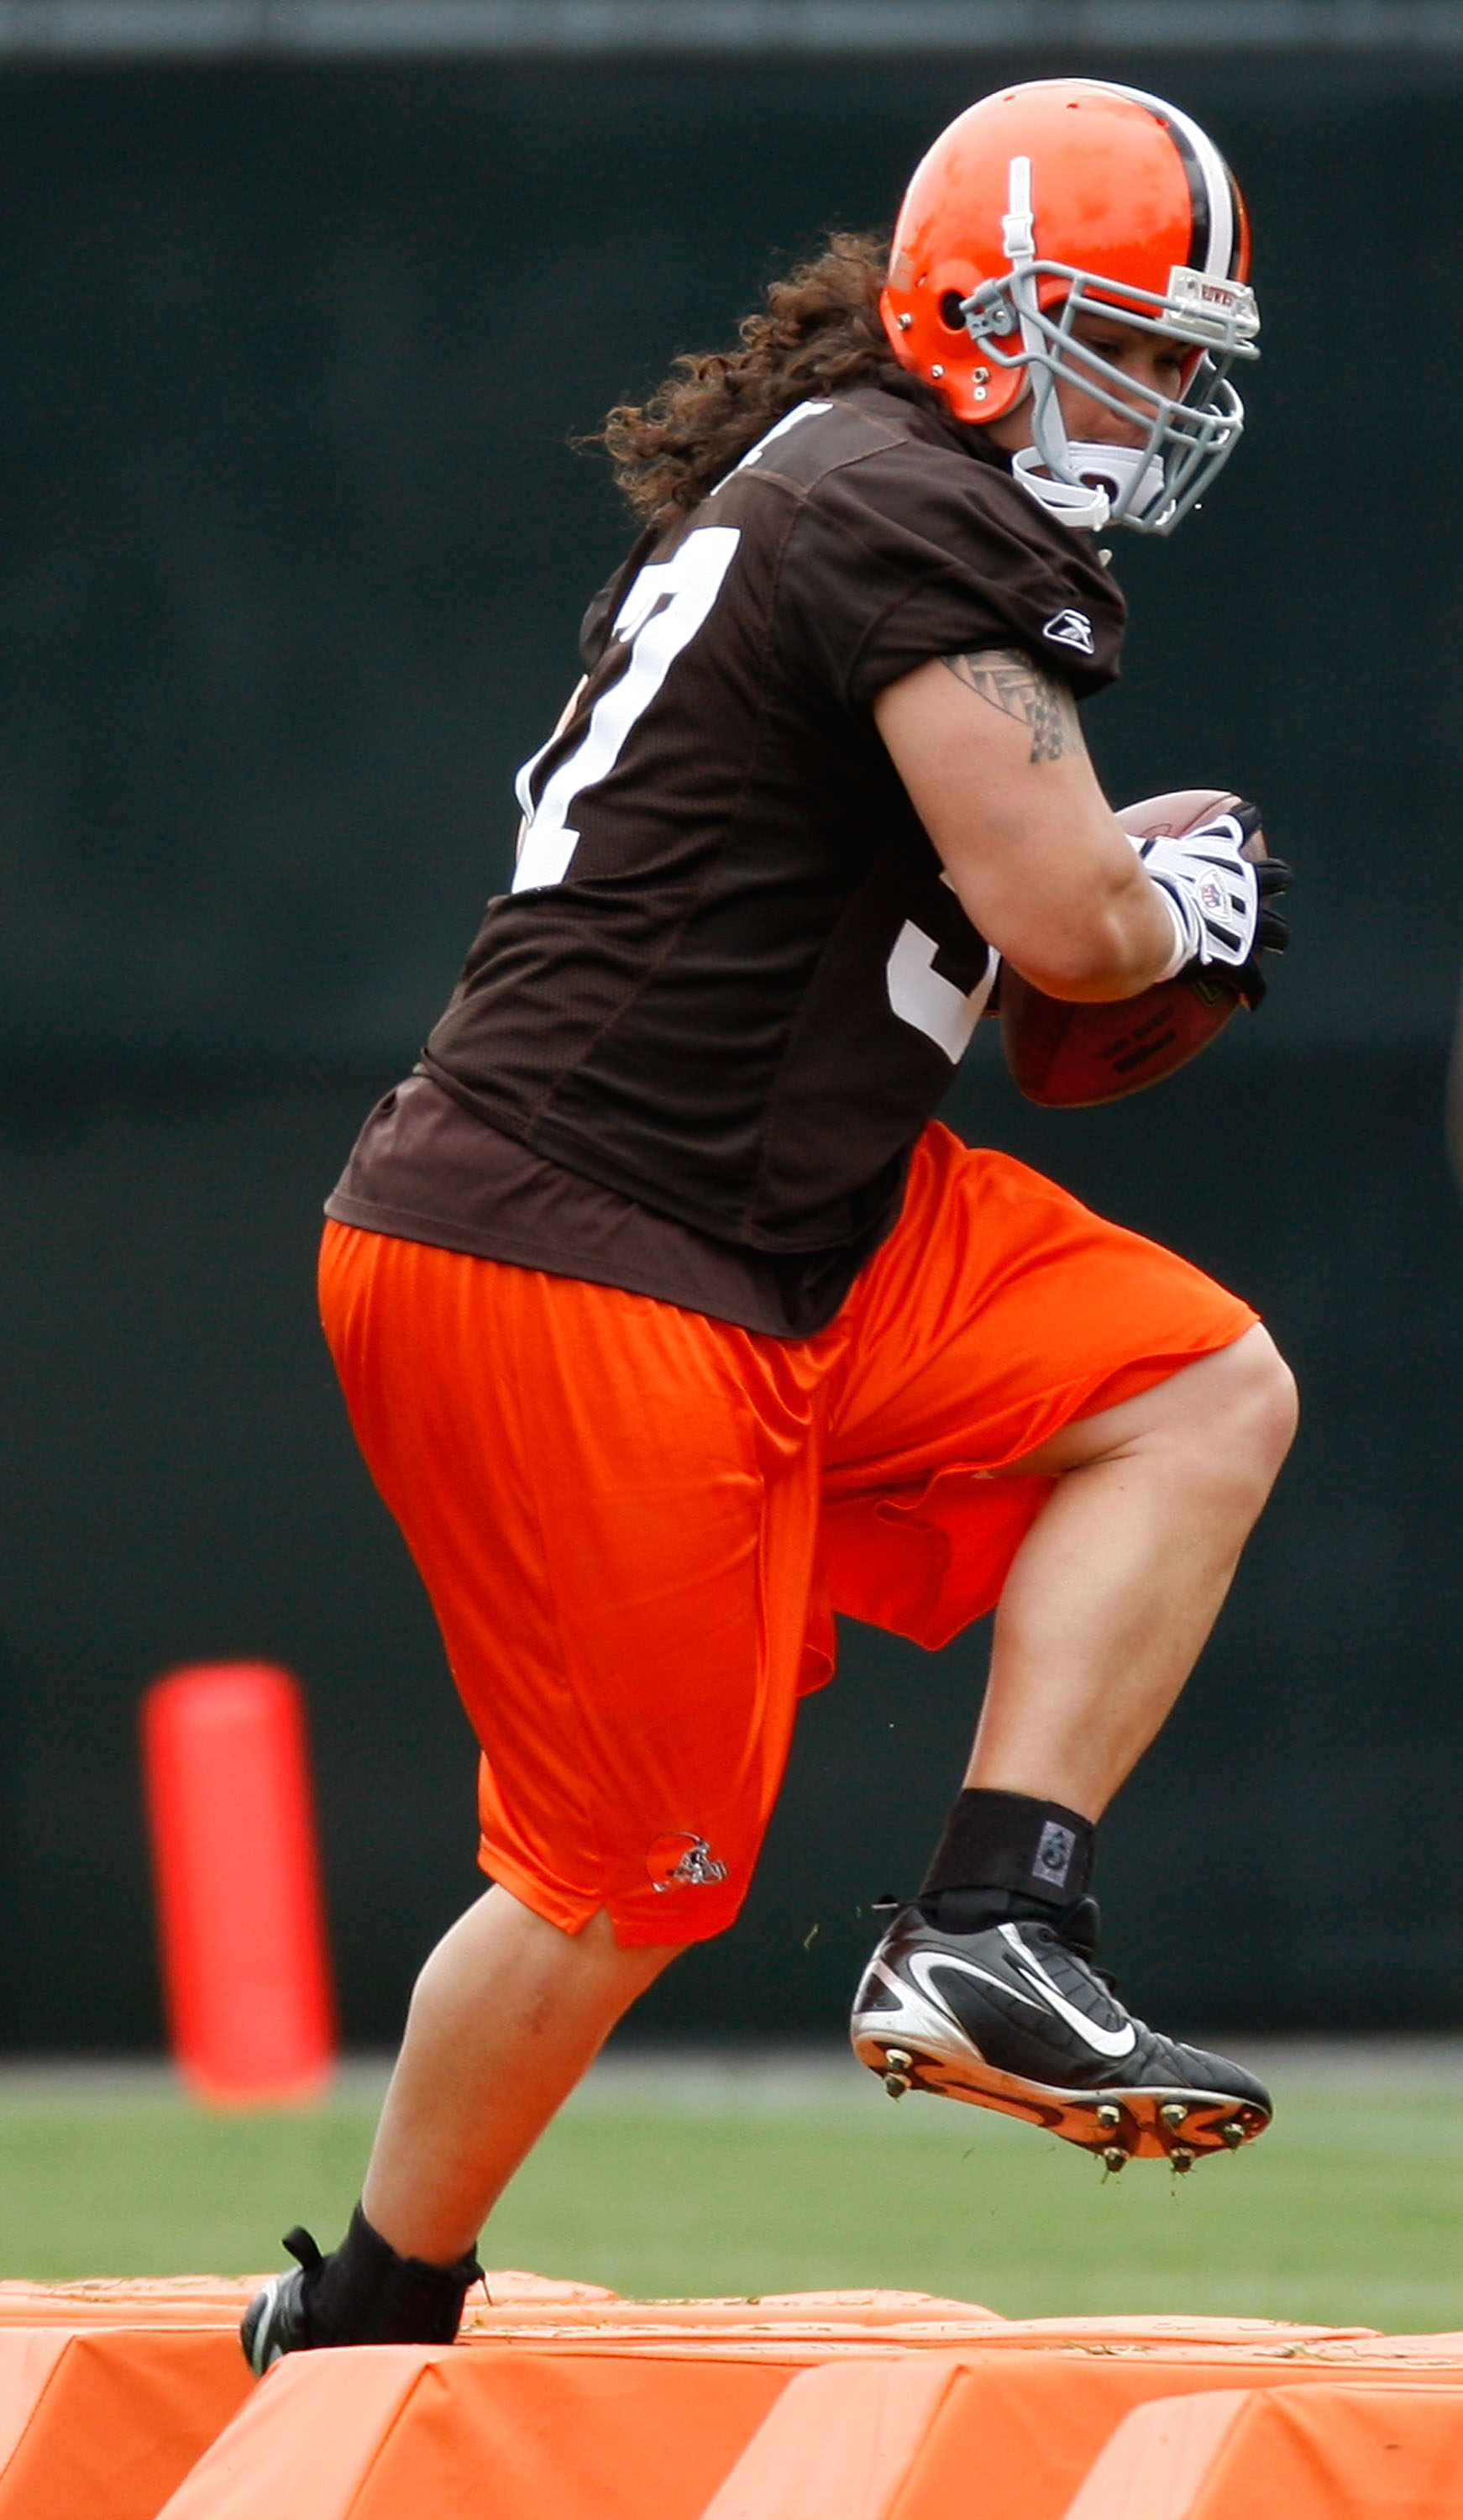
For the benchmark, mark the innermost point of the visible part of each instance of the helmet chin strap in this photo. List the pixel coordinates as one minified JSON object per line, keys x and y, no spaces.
{"x":1084,"y":506}
{"x":1104,"y":474}
{"x":1081,"y":482}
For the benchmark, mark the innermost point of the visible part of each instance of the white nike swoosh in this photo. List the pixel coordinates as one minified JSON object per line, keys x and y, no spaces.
{"x":1103,"y":2043}
{"x":920,"y":1964}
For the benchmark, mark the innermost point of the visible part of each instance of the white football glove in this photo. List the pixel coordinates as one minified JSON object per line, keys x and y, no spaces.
{"x":1210,"y":890}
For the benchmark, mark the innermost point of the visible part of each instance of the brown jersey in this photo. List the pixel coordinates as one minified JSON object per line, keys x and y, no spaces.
{"x":730,"y":983}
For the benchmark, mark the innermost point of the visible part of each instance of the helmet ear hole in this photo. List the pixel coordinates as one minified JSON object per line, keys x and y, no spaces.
{"x":950,"y":311}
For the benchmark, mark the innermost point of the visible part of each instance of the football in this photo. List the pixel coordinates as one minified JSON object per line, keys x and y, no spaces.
{"x":1066,"y":1056}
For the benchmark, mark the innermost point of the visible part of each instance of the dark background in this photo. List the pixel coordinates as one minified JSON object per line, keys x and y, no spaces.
{"x":295,"y":546}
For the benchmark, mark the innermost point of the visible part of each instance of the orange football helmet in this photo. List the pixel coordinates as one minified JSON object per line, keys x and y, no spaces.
{"x":1056,"y":200}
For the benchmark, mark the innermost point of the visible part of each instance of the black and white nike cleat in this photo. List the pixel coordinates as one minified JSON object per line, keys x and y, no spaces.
{"x":277,"y":2320}
{"x":1014,"y":2017}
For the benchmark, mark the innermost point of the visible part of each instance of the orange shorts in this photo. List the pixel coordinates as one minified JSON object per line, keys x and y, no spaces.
{"x":635,"y":1523}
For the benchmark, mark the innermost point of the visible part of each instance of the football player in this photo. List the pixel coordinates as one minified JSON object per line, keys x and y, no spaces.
{"x":669,"y":1319}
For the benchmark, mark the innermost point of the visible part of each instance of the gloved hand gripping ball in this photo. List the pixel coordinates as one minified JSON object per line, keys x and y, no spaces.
{"x":1205,"y":851}
{"x":1217,"y":880}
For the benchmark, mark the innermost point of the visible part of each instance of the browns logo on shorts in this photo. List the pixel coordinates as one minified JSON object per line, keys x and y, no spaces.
{"x":681,"y":1861}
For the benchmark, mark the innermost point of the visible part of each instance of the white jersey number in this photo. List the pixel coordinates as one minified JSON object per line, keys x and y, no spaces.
{"x":923,"y":998}
{"x":665,"y":607}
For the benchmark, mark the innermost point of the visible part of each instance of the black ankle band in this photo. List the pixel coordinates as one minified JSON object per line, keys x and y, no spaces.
{"x":994,"y":1841}
{"x":365,"y":2294}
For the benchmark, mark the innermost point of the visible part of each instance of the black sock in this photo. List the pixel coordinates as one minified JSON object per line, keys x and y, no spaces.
{"x":1003,"y":1857}
{"x":364,"y":2294}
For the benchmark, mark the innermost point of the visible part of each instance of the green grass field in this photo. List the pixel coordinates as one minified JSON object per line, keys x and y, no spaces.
{"x":1350,"y":2211}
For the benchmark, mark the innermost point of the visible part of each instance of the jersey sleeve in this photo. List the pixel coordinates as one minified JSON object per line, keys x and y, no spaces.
{"x":912,"y":553}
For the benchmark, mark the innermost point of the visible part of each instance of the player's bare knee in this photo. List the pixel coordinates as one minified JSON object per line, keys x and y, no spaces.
{"x":1247,"y":1421}
{"x":1282,"y":1410}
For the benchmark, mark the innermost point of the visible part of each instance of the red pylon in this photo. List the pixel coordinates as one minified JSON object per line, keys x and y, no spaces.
{"x":240,"y":1914}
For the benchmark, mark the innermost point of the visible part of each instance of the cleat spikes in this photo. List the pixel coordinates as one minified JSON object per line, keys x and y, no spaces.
{"x":1114,"y":2158}
{"x":895,"y":2085}
{"x":1181,"y":2158}
{"x":1173,"y":2113}
{"x":898,"y":2059}
{"x":1108,"y":2114}
{"x":1233,"y":2134}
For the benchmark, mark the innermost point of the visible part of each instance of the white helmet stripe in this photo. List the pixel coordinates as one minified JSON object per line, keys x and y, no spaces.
{"x":1215,"y":190}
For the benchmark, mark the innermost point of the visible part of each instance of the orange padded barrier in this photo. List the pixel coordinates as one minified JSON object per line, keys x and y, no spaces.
{"x":220,"y":2301}
{"x":1159,"y":2455}
{"x":103,"y":2426}
{"x":1012,"y":2438}
{"x":843,"y":2443}
{"x":562,"y":2402}
{"x":386,"y":2432}
{"x":918,"y":2317}
{"x":1336,"y":2453}
{"x":905,"y":2318}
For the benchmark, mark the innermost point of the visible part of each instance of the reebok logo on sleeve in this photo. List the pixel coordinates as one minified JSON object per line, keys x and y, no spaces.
{"x":1070,"y":629}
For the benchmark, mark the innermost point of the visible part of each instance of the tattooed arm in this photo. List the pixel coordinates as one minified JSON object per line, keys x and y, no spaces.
{"x":991,"y":753}
{"x":1019,"y":689}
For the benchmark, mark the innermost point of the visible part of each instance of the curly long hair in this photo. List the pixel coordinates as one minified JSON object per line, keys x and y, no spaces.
{"x":819,"y":334}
